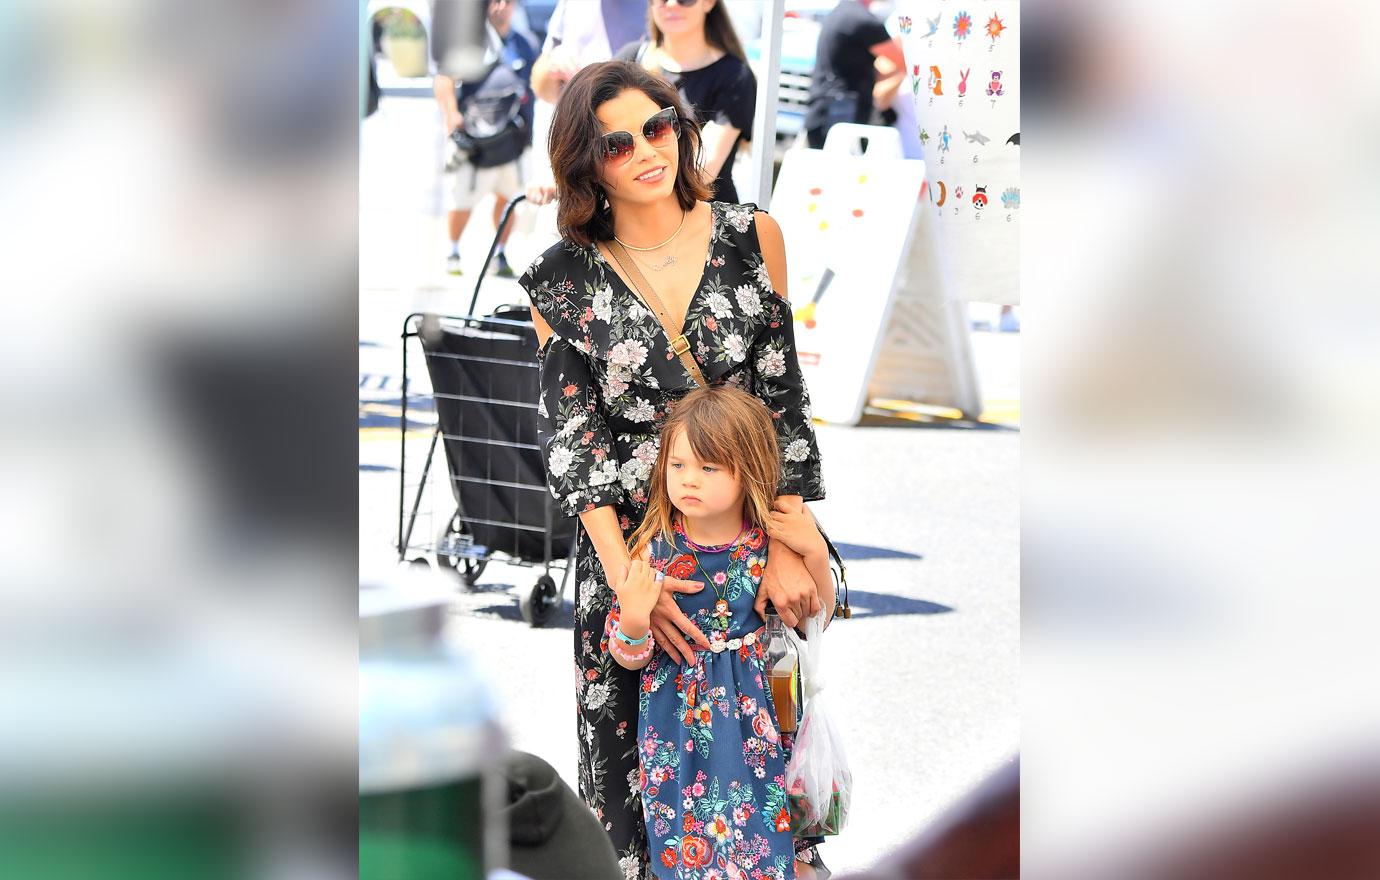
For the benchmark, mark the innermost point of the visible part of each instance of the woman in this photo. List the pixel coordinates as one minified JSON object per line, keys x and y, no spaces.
{"x":625,"y":159}
{"x":694,"y":47}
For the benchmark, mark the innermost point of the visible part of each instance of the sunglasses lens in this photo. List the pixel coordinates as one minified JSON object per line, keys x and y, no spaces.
{"x":618,"y":146}
{"x":660,"y":129}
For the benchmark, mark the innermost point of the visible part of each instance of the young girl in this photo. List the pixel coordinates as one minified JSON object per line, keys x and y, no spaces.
{"x":712,"y":763}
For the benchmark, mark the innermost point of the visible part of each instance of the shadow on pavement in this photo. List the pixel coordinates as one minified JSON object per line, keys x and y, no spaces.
{"x":865,"y":604}
{"x":563,"y":619}
{"x":877,"y":419}
{"x":865,"y":551}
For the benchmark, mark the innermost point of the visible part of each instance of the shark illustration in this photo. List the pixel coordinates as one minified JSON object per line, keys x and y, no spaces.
{"x":934,"y":26}
{"x":976,"y":137}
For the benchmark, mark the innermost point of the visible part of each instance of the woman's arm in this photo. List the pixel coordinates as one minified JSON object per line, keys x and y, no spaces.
{"x":718,"y":144}
{"x":551,"y":71}
{"x":601,"y":524}
{"x":443,"y":87}
{"x":793,"y":528}
{"x":581,"y":460}
{"x":890,"y":66}
{"x":788,"y":581}
{"x":776,"y":376}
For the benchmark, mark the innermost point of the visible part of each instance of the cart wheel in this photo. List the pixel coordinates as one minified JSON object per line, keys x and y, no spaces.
{"x":420,"y":562}
{"x":540,"y":605}
{"x":467,"y":569}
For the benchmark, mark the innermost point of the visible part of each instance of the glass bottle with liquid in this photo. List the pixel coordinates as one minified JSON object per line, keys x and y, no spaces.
{"x":431,"y":796}
{"x":783,"y":671}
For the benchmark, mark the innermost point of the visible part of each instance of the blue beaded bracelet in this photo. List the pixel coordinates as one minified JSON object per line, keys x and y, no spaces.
{"x":632,"y":643}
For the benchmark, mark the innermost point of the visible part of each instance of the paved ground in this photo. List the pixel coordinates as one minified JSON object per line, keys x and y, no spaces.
{"x":924,"y":677}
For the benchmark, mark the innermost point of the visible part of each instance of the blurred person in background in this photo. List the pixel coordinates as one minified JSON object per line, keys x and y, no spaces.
{"x":584,"y":32}
{"x":858,"y":70}
{"x":580,"y":32}
{"x":693,"y":46}
{"x":501,"y":101}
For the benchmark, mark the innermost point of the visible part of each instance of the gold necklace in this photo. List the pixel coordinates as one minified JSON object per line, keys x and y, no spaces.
{"x":657,"y":247}
{"x":670,"y":260}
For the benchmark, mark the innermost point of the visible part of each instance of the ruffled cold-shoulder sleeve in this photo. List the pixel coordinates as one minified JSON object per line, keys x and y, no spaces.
{"x":581,"y":464}
{"x":777,"y":379}
{"x":779,"y":383}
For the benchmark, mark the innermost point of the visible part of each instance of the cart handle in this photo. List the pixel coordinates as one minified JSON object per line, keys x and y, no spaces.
{"x":493,"y":246}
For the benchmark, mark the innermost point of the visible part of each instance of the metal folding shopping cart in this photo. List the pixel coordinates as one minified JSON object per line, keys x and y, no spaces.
{"x":483,"y":375}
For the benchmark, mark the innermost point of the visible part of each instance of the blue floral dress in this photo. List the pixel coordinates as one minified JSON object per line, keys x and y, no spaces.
{"x":712,"y":764}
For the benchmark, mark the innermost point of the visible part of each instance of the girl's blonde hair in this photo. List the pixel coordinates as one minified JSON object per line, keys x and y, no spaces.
{"x":726,"y":426}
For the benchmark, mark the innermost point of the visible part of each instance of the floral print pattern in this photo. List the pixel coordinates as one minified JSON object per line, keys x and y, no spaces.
{"x":608,"y":380}
{"x":712,"y":763}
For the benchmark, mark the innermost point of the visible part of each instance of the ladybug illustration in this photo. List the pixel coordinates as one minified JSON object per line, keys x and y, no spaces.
{"x":994,"y":87}
{"x":980,"y":198}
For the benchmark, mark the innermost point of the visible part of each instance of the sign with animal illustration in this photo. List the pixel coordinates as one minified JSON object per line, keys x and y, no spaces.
{"x":964,"y":65}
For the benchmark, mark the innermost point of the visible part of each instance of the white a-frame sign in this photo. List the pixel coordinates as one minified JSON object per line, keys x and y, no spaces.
{"x":871,"y":317}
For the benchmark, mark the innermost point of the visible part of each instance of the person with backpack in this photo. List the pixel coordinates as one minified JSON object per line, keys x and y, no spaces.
{"x":489,"y":122}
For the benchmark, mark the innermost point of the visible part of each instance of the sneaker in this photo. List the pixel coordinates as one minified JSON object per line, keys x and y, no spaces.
{"x":503,"y":270}
{"x":453,"y":264}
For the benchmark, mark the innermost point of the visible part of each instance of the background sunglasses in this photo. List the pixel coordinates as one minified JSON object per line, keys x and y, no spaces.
{"x":660,"y":129}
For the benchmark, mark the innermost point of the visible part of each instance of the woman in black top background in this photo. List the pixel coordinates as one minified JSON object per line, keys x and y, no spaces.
{"x":694,"y":47}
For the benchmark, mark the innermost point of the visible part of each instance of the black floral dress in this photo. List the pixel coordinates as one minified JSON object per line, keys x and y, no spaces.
{"x":608,"y":376}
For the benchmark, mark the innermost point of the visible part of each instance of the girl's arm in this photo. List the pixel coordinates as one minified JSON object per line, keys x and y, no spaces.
{"x":637,"y":594}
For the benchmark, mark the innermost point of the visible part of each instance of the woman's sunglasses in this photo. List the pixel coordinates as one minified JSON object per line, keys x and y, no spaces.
{"x":660,"y":129}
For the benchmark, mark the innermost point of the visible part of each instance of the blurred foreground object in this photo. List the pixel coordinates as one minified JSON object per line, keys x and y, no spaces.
{"x":431,"y":795}
{"x":459,"y":41}
{"x":554,"y":835}
{"x":977,"y":838}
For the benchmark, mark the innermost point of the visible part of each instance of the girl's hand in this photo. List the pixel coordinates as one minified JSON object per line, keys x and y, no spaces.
{"x":791,"y":524}
{"x":637,"y":596}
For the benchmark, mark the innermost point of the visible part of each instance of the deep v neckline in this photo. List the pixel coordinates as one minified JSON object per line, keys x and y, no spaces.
{"x":699,"y":284}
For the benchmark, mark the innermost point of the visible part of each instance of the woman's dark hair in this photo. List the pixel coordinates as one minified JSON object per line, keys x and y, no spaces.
{"x":576,"y":148}
{"x":718,"y":31}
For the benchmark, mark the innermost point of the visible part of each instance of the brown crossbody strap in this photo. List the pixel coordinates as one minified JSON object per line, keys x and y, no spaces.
{"x":675,"y":334}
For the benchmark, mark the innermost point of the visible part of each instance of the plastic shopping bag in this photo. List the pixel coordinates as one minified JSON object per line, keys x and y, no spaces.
{"x":819,"y":785}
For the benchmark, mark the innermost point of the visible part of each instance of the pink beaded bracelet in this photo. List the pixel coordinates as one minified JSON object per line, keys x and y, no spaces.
{"x":640,"y":655}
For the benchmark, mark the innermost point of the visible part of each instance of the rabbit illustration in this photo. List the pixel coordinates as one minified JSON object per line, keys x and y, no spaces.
{"x":963,"y":84}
